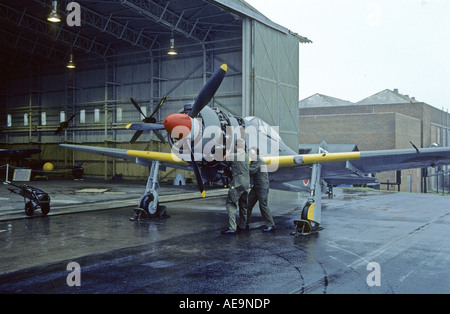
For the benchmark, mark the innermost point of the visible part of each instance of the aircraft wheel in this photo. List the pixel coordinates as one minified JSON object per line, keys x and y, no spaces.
{"x":308,"y":206}
{"x":29,"y":208}
{"x":145,"y":204}
{"x":139,"y":214}
{"x":306,"y":209}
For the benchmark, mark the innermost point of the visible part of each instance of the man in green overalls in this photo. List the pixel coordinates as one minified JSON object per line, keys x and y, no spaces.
{"x":260,"y":189}
{"x":240,"y":184}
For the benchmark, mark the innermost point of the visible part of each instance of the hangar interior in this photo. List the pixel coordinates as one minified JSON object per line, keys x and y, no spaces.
{"x":120,"y":50}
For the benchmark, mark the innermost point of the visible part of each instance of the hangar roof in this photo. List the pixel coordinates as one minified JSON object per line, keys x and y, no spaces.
{"x":111,"y":28}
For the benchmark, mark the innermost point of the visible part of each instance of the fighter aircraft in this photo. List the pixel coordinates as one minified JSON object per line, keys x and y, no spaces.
{"x":199,"y":138}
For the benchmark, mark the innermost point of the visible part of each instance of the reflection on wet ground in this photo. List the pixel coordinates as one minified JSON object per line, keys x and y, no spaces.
{"x":186,"y":253}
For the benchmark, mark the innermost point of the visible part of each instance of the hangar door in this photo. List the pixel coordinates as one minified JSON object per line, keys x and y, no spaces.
{"x":276,"y":80}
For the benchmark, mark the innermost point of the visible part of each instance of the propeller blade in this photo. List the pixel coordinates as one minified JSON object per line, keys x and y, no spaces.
{"x":198,"y":176}
{"x":145,"y":126}
{"x":136,"y":136}
{"x":64,"y":125}
{"x":159,"y":106}
{"x":137,"y":106}
{"x":58,"y":130}
{"x":70,"y":118}
{"x":208,"y":90}
{"x":160,"y":136}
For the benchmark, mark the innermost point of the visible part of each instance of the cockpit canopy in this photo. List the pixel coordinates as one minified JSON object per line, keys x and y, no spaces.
{"x":263,"y":127}
{"x":263,"y":136}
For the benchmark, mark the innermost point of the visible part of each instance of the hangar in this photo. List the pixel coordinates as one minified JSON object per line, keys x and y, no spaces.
{"x":120,"y":50}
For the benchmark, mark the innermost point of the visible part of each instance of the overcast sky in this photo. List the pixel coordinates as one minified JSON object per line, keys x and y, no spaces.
{"x":361,"y":47}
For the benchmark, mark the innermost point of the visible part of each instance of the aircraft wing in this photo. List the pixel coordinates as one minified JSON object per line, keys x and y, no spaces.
{"x":372,"y":161}
{"x":389,"y":160}
{"x":130,"y":154}
{"x":354,"y":165}
{"x":19,"y":153}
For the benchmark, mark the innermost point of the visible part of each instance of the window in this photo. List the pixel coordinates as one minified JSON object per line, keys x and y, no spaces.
{"x":144,"y":111}
{"x":62,"y":116}
{"x":438,"y":135}
{"x":96,"y":115}
{"x":119,"y":114}
{"x":9,"y":120}
{"x":25,"y":119}
{"x":82,"y":116}
{"x":43,"y":118}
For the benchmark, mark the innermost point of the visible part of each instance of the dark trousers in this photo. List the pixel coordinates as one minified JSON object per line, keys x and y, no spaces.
{"x":260,"y":194}
{"x":236,"y":195}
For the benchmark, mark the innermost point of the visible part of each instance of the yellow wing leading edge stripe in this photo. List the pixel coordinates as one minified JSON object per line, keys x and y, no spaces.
{"x":283,"y":161}
{"x":164,"y":157}
{"x":298,"y":160}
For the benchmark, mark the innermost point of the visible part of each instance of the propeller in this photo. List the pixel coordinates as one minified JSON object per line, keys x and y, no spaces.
{"x":208,"y":91}
{"x":64,"y":125}
{"x":182,"y":120}
{"x":149,"y":120}
{"x":179,"y":119}
{"x":198,"y":176}
{"x":203,"y":98}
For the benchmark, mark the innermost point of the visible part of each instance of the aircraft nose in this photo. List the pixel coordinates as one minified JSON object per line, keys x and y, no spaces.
{"x":178,"y":125}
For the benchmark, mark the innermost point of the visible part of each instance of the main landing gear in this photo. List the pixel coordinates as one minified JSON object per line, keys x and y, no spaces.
{"x":149,"y":205}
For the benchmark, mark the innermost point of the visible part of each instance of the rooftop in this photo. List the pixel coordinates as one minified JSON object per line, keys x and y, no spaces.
{"x":384,"y":97}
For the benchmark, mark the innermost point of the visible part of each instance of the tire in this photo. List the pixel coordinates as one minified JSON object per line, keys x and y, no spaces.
{"x":145,"y":206}
{"x":314,"y":225}
{"x":29,"y":208}
{"x":45,"y":209}
{"x":306,"y":209}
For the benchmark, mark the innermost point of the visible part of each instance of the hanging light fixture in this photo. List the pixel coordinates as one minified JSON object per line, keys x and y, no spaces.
{"x":54,"y":16}
{"x":71,"y":64}
{"x":172,"y":51}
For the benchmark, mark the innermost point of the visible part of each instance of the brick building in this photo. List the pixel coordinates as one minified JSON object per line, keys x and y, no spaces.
{"x":386,"y":120}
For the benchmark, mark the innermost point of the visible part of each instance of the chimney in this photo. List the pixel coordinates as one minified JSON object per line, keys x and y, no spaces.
{"x":396,"y":90}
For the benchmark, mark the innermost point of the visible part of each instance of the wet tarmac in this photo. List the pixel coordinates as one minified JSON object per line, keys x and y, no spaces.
{"x":403,"y":236}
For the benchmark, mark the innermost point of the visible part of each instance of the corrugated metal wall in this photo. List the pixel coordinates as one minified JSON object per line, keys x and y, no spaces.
{"x":276,"y":80}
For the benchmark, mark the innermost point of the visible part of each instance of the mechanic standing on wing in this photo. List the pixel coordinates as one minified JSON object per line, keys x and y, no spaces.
{"x":240,"y":184}
{"x":260,"y":189}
